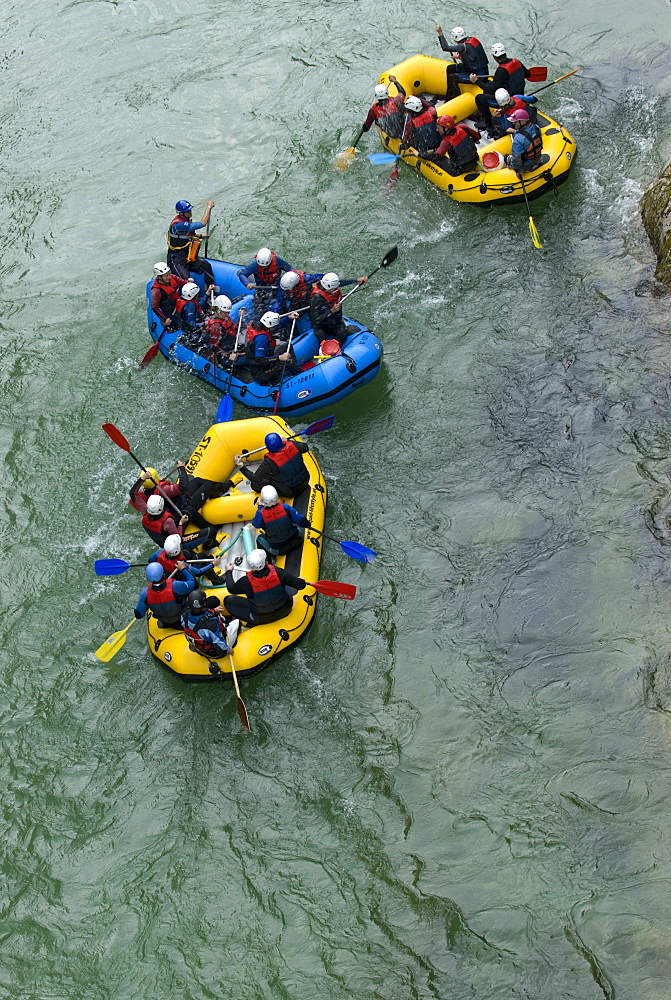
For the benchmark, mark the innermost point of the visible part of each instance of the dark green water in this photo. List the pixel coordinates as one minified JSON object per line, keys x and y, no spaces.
{"x":458,"y":786}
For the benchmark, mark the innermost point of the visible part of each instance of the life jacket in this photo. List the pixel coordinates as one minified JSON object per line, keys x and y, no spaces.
{"x":218,"y":328}
{"x":177,"y":241}
{"x":462,"y":148}
{"x":517,"y":80}
{"x":300,"y":294}
{"x":252,"y":334}
{"x":535,"y":147}
{"x":164,"y":603}
{"x":154,"y":525}
{"x":269,"y":594}
{"x":476,"y":58}
{"x":268,"y":274}
{"x":205,"y":622}
{"x":291,"y":471}
{"x":167,"y":562}
{"x":179,"y":306}
{"x":331,"y":298}
{"x":424,"y":135}
{"x":169,"y":292}
{"x":277,"y":524}
{"x":135,"y":490}
{"x":381,"y":109}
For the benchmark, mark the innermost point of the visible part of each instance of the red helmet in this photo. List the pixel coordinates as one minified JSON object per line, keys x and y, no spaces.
{"x":519,"y":116}
{"x":447,"y":121}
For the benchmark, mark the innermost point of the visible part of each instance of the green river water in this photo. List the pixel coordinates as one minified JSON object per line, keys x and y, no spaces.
{"x":457,"y":787}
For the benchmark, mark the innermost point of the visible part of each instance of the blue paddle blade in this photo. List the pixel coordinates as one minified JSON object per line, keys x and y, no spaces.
{"x":224,"y":410}
{"x":379,"y":158}
{"x":110,"y":567}
{"x":325,"y":424}
{"x":359,"y":552}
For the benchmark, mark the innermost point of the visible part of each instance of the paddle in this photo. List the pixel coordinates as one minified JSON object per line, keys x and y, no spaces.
{"x":379,"y":159}
{"x":334,"y":588}
{"x":225,"y":408}
{"x":242,"y":711}
{"x":284,"y":367}
{"x":152,"y":352}
{"x":325,"y":424}
{"x":344,"y":159}
{"x":115,"y":567}
{"x":214,"y":348}
{"x":207,"y":240}
{"x":115,"y":435}
{"x":536,"y":74}
{"x":564,"y":77}
{"x":532,"y":226}
{"x":352,"y":549}
{"x":111,"y":646}
{"x":388,"y":259}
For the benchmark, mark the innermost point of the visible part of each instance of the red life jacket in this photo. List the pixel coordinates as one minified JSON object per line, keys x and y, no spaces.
{"x":164,"y":603}
{"x":423,"y":132}
{"x":179,"y":305}
{"x":252,"y":334}
{"x":169,"y":564}
{"x":268,"y":275}
{"x":291,"y":471}
{"x":137,"y":491}
{"x":384,"y":108}
{"x":269,"y":594}
{"x":277,"y":524}
{"x":331,"y":298}
{"x":218,"y":328}
{"x":178,"y":241}
{"x":154,"y":525}
{"x":300,"y":294}
{"x":463,"y":149}
{"x":535,"y":147}
{"x":169,"y":291}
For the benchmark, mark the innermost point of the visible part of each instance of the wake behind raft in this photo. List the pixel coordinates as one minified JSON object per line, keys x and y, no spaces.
{"x":321,"y":382}
{"x":426,"y":77}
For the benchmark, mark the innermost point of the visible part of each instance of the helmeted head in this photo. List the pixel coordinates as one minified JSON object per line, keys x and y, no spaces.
{"x":381,"y":92}
{"x":289,"y":280}
{"x":519,"y":117}
{"x":149,"y":478}
{"x":256,"y":560}
{"x":273,"y":442}
{"x":222,"y":304}
{"x":197,"y":600}
{"x":269,"y":496}
{"x":155,"y":504}
{"x":154,"y":572}
{"x":270,"y":320}
{"x":183,"y":207}
{"x":173,"y":545}
{"x":189,"y":290}
{"x":458,"y":34}
{"x":161,"y":269}
{"x":446,"y":121}
{"x":502,"y":97}
{"x":413,"y":104}
{"x":264,"y":256}
{"x":330,"y":281}
{"x":498,"y":50}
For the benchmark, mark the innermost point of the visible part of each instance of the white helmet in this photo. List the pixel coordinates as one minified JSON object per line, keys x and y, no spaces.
{"x":222,"y":303}
{"x":270,"y":320}
{"x":264,"y":256}
{"x":173,"y":545}
{"x":381,"y":91}
{"x":289,"y":280}
{"x":458,"y":34}
{"x":413,"y":104}
{"x":269,"y":496}
{"x":502,"y":96}
{"x":256,"y":559}
{"x":161,"y":268}
{"x":498,"y":50}
{"x":330,"y":282}
{"x":189,"y":290}
{"x":155,"y":504}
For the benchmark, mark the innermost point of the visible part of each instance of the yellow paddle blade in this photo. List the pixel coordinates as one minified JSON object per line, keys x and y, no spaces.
{"x":344,"y":159}
{"x":534,"y":234}
{"x":111,"y":646}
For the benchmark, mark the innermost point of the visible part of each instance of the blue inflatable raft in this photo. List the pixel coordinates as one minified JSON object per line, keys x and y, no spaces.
{"x":322,"y":382}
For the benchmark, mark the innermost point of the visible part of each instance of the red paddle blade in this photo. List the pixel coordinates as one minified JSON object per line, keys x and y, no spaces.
{"x":325,"y":424}
{"x":333,"y":588}
{"x":538,"y":74}
{"x":153,"y":350}
{"x":115,"y":434}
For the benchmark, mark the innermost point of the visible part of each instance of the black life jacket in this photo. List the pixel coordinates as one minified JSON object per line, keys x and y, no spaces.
{"x":291,"y":471}
{"x":178,"y":241}
{"x":462,"y":148}
{"x":475,"y":57}
{"x":516,"y":78}
{"x":424,"y":135}
{"x":164,"y":603}
{"x":331,"y":321}
{"x":277,"y":525}
{"x":269,"y":594}
{"x":206,"y":622}
{"x":153,"y":525}
{"x":535,"y":147}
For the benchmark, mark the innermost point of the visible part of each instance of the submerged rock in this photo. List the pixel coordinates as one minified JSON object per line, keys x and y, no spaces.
{"x":656,"y":213}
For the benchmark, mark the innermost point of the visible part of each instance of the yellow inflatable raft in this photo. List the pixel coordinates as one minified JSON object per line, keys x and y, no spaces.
{"x":427,"y":77}
{"x":256,"y":647}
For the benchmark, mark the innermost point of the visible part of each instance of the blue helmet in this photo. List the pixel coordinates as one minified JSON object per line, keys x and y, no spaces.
{"x":154,"y":572}
{"x":273,"y":442}
{"x":183,"y":206}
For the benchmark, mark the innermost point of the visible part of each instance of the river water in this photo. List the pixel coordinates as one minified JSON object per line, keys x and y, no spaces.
{"x":457,"y":786}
